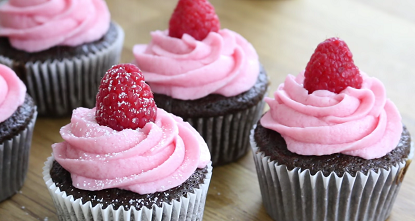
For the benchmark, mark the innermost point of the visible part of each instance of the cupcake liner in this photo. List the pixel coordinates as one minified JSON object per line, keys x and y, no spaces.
{"x":59,"y":86}
{"x":14,"y":160}
{"x":227,"y":136}
{"x":188,"y":207}
{"x":298,"y":195}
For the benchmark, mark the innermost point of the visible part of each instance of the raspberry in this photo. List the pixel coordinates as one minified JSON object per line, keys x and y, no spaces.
{"x":331,"y":67}
{"x":194,"y":17}
{"x":124,"y":100}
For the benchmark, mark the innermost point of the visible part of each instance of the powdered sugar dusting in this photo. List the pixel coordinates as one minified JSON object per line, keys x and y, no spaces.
{"x":160,"y":156}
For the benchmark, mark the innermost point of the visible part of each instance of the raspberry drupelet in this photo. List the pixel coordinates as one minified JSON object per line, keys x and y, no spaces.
{"x":194,"y":17}
{"x":124,"y":100}
{"x":331,"y":67}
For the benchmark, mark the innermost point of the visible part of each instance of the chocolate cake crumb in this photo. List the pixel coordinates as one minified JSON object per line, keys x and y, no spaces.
{"x":57,"y":52}
{"x":118,"y":197}
{"x":18,"y":121}
{"x":273,"y":145}
{"x":215,"y":104}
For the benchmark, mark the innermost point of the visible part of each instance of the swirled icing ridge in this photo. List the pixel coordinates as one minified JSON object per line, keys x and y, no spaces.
{"x":160,"y":156}
{"x":223,"y":63}
{"x":12,"y":92}
{"x":358,"y":122}
{"x":38,"y":25}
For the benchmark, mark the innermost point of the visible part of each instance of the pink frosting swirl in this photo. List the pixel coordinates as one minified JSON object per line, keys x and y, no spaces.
{"x":358,"y":122}
{"x":160,"y":156}
{"x":37,"y":25}
{"x":223,"y":63}
{"x":12,"y":92}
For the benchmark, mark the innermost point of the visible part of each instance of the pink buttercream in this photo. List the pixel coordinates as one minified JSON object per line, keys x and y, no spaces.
{"x":358,"y":122}
{"x":41,"y":24}
{"x":160,"y":156}
{"x":223,"y":63}
{"x":12,"y":92}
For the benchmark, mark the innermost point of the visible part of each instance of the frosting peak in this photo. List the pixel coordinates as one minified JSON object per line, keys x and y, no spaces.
{"x":223,"y":63}
{"x":37,"y":25}
{"x":358,"y":122}
{"x":12,"y":92}
{"x":160,"y":156}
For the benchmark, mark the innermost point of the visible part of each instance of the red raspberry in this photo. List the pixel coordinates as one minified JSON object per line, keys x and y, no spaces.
{"x":124,"y":100}
{"x":331,"y":67}
{"x":194,"y":17}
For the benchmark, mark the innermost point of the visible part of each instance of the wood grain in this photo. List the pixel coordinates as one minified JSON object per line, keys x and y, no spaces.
{"x":380,"y":34}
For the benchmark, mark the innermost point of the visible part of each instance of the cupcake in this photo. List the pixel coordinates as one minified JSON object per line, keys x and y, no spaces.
{"x":126,"y":159}
{"x":17,"y":120}
{"x":331,"y":146}
{"x":60,"y":49}
{"x":210,"y":77}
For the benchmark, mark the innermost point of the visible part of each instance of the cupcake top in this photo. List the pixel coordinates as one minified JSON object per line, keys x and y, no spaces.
{"x":124,"y":150}
{"x":333,"y":107}
{"x":194,"y":58}
{"x":37,"y":25}
{"x":12,"y":92}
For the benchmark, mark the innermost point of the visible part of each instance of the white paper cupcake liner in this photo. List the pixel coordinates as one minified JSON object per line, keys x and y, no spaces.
{"x":227,"y":136}
{"x":189,"y":207}
{"x":14,"y":160}
{"x":298,"y":195}
{"x":59,"y":86}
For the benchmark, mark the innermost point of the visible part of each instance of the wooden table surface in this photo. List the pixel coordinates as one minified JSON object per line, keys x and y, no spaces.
{"x":380,"y":33}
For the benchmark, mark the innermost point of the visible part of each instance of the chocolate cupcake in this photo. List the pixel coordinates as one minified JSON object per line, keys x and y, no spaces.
{"x":62,"y":56}
{"x":210,"y":77}
{"x":17,"y":120}
{"x":330,"y":151}
{"x":186,"y":201}
{"x":115,"y":164}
